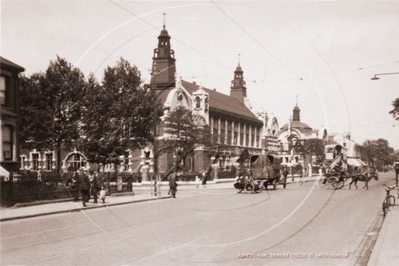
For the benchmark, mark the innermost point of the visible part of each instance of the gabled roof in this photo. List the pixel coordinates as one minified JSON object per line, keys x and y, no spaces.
{"x":218,"y":102}
{"x":7,"y":63}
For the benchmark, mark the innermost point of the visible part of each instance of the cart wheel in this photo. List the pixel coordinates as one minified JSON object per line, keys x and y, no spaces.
{"x":340,"y":184}
{"x":249,"y":187}
{"x":259,"y":190}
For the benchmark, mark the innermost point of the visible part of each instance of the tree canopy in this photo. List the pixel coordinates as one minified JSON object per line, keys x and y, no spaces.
{"x":378,"y":153}
{"x":117,"y":116}
{"x":184,"y":131}
{"x":395,"y":111}
{"x":50,"y":107}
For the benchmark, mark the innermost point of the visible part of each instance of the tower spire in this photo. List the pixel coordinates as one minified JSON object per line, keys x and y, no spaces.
{"x":297,"y":100}
{"x":239,"y":59}
{"x":164,"y":60}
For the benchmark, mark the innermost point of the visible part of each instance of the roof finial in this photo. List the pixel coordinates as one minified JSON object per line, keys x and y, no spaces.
{"x":297,"y":100}
{"x":164,"y":15}
{"x":239,"y":59}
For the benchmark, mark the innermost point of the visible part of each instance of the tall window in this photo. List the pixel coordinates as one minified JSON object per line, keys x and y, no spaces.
{"x":7,"y":142}
{"x":222,"y":131}
{"x":247,"y":135}
{"x":215,"y":130}
{"x":3,"y":91}
{"x":49,"y":161}
{"x":235,"y":133}
{"x":126,"y":161}
{"x":241,"y":134}
{"x":229,"y":133}
{"x":252,"y":136}
{"x":35,"y":161}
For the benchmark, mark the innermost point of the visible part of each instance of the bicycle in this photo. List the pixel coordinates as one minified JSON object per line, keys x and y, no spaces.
{"x":389,"y":200}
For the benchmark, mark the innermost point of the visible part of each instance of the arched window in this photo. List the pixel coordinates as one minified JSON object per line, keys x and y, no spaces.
{"x":75,"y":160}
{"x":7,"y":142}
{"x":3,"y":90}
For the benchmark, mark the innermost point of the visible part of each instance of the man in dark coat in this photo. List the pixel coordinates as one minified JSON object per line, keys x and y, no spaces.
{"x":84,"y":187}
{"x":173,"y":185}
{"x":94,"y":184}
{"x":73,"y":184}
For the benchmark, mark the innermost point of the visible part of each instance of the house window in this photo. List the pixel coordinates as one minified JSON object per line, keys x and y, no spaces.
{"x":7,"y":142}
{"x":49,"y":161}
{"x":3,"y":90}
{"x":35,"y":161}
{"x":23,"y":162}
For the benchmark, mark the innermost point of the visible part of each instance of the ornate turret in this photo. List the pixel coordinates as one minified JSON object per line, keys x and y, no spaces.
{"x":163,"y":62}
{"x":296,"y":111}
{"x":238,"y":88}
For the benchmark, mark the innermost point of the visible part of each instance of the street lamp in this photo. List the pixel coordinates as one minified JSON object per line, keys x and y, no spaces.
{"x":377,"y":78}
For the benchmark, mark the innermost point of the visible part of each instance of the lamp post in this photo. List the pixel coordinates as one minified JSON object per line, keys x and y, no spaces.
{"x":377,"y":78}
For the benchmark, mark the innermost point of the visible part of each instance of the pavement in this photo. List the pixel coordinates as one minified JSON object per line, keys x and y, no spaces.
{"x":385,"y":251}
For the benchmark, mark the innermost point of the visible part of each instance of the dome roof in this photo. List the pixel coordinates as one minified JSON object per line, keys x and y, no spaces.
{"x":238,"y":68}
{"x":164,"y":32}
{"x":296,"y":124}
{"x":296,"y":108}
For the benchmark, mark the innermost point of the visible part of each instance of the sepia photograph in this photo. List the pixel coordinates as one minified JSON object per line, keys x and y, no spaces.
{"x":201,"y":132}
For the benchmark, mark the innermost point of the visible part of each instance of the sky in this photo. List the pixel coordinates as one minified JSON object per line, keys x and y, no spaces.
{"x":319,"y":54}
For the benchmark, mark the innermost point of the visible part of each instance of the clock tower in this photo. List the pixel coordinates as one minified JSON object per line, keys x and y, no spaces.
{"x":163,"y":62}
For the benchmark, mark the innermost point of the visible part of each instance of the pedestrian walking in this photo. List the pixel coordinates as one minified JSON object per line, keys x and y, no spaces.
{"x":94,"y":188}
{"x":73,"y":184}
{"x":172,"y":185}
{"x":84,"y":184}
{"x":204,"y":179}
{"x":197,"y":181}
{"x":285,"y":173}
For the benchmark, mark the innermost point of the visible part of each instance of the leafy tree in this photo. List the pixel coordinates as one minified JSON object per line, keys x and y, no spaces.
{"x":378,"y":153}
{"x":395,"y":111}
{"x":50,"y":105}
{"x":117,"y":116}
{"x":183,"y":131}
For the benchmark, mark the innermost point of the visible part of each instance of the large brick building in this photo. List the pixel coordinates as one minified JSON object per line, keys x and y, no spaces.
{"x":234,"y":125}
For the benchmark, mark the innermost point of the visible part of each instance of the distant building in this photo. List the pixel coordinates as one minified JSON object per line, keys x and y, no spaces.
{"x":9,"y":112}
{"x":298,"y":131}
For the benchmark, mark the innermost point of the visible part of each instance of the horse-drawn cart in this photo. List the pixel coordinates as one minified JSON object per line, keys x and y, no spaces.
{"x":266,"y":169}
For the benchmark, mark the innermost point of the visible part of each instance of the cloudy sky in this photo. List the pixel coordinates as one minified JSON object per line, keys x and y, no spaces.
{"x":323,"y":52}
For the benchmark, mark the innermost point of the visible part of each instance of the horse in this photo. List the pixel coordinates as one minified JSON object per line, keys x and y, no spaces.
{"x":363,"y":177}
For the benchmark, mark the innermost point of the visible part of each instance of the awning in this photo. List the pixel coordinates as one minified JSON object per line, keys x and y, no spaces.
{"x":4,"y":172}
{"x":354,"y":162}
{"x":360,"y":161}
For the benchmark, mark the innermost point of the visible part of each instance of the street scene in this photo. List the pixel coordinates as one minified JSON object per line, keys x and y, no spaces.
{"x":199,"y":133}
{"x":304,"y":224}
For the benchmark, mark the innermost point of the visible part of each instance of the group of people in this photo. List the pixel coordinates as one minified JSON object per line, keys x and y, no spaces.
{"x":88,"y":183}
